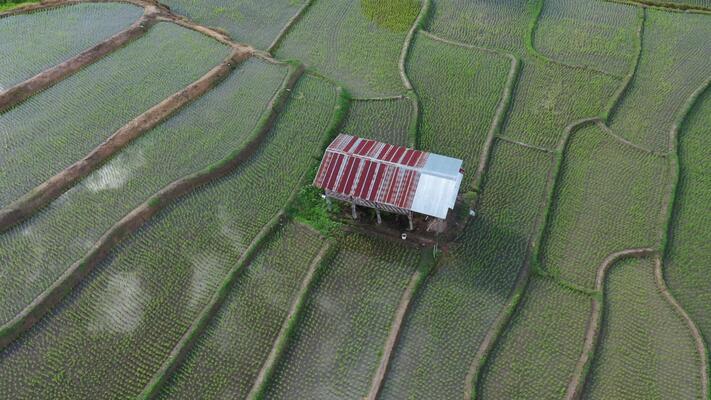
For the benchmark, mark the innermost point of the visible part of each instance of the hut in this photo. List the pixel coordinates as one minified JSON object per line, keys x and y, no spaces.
{"x":389,"y":178}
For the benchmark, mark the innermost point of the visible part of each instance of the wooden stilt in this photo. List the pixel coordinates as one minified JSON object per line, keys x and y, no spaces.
{"x":353,"y":210}
{"x":329,"y":205}
{"x":377,"y":213}
{"x":409,"y":218}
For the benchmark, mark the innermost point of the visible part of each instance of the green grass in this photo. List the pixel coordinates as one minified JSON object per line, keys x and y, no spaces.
{"x":598,"y":34}
{"x":155,"y":283}
{"x":338,"y":40}
{"x":384,"y":120}
{"x":6,"y":5}
{"x":646,"y":350}
{"x":535,"y":357}
{"x":449,"y":78}
{"x":62,"y":124}
{"x":337,"y":345}
{"x":674,"y":63}
{"x":37,"y":252}
{"x":604,"y":202}
{"x":688,"y":255}
{"x":458,"y":304}
{"x":253,"y":22}
{"x":393,"y":15}
{"x":34,"y":42}
{"x":230,"y":353}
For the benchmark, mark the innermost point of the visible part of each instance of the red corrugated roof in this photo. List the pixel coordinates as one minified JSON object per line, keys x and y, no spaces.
{"x":371,"y":170}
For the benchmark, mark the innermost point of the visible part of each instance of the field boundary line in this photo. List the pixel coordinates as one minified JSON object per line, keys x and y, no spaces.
{"x":530,"y":45}
{"x":20,"y":92}
{"x":531,"y":258}
{"x":131,"y":222}
{"x":665,"y":6}
{"x":592,"y":331}
{"x":384,"y":98}
{"x":46,"y":192}
{"x":675,"y":167}
{"x":526,"y":145}
{"x":622,"y":90}
{"x":693,"y":328}
{"x":291,"y":321}
{"x":600,"y":124}
{"x":286,"y":28}
{"x":407,"y":44}
{"x":502,"y":108}
{"x":410,"y":92}
{"x":427,"y":265}
{"x":667,"y":214}
{"x":188,"y":340}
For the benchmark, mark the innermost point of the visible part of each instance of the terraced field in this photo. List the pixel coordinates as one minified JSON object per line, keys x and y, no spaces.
{"x":157,"y":282}
{"x":345,"y":323}
{"x":450,"y":317}
{"x":638,"y":318}
{"x":160,"y":237}
{"x":257,"y":22}
{"x":56,"y":34}
{"x":59,"y":126}
{"x":37,"y":252}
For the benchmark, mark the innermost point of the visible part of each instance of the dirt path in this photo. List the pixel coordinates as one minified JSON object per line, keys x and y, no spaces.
{"x":403,"y":308}
{"x":260,"y":383}
{"x":592,"y":333}
{"x":698,"y":339}
{"x":45,"y":79}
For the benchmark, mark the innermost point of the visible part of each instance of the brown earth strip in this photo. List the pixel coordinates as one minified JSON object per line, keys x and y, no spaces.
{"x":43,"y":194}
{"x":292,"y":21}
{"x":20,"y":92}
{"x":260,"y":383}
{"x":698,"y":339}
{"x":136,"y":218}
{"x":592,"y":333}
{"x":403,"y":308}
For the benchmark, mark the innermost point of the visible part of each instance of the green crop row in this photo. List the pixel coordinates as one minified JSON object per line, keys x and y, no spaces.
{"x":337,"y":345}
{"x":357,"y":43}
{"x":646,"y":351}
{"x":37,"y":252}
{"x":386,"y":120}
{"x":535,"y":357}
{"x":110,"y":336}
{"x":673,"y":63}
{"x":231,"y":351}
{"x":34,"y":42}
{"x":549,"y":97}
{"x":607,"y":199}
{"x":60,"y":125}
{"x":688,"y":251}
{"x":596,"y":34}
{"x":457,"y":305}
{"x":498,"y":25}
{"x":253,"y":22}
{"x":446,"y":78}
